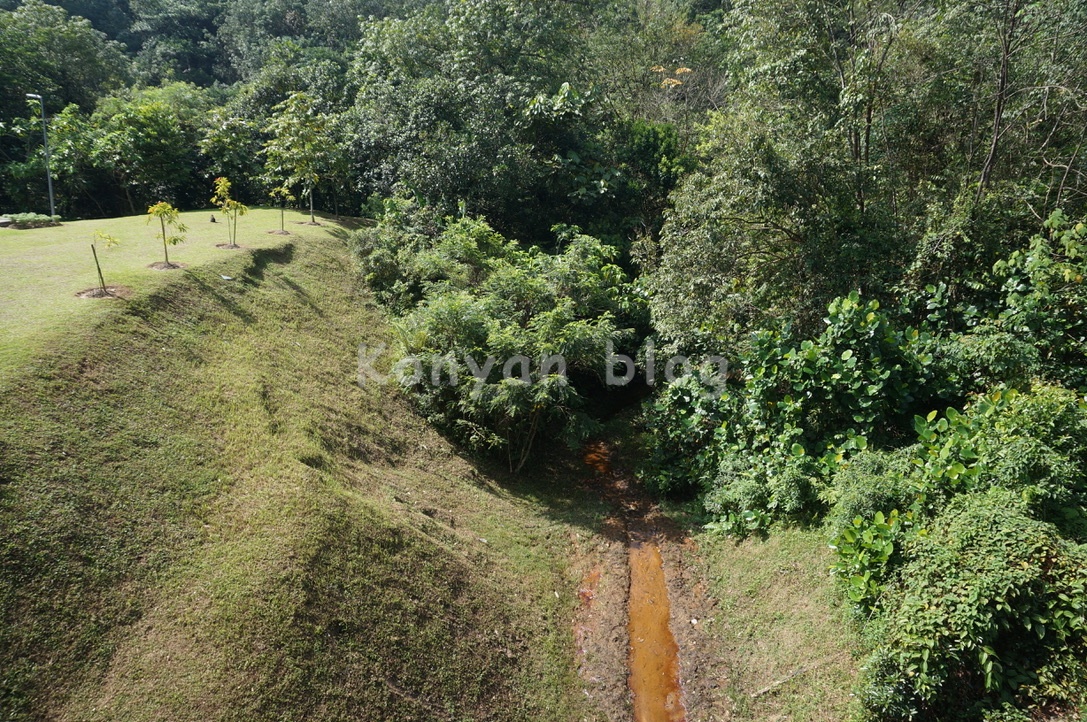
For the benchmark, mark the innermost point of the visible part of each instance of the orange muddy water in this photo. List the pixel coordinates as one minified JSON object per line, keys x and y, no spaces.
{"x":654,"y":655}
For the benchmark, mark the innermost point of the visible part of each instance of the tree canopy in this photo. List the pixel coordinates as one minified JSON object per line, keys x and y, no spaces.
{"x":873,"y":209}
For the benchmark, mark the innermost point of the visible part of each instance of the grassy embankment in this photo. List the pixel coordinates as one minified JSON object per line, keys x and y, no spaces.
{"x":204,"y":517}
{"x":781,"y":626}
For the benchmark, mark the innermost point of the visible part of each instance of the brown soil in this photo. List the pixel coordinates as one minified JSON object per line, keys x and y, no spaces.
{"x":600,"y":626}
{"x":637,"y":535}
{"x":307,"y":223}
{"x":278,"y":232}
{"x":229,"y":246}
{"x":654,"y":654}
{"x":163,"y":266}
{"x":110,"y":292}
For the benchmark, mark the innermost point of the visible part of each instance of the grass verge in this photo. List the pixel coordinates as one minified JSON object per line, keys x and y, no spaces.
{"x":780,"y":625}
{"x":206,"y":518}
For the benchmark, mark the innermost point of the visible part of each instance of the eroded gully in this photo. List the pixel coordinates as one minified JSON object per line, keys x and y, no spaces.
{"x":653,"y":663}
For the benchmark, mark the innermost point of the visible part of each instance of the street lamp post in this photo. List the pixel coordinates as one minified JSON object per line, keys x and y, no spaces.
{"x":45,"y":139}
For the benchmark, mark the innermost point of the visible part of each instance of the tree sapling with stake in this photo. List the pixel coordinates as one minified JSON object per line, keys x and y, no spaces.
{"x":109,"y":242}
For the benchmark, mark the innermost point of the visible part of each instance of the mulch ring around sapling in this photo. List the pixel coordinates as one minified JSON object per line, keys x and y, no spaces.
{"x":229,"y":246}
{"x":121,"y":292}
{"x":163,"y":266}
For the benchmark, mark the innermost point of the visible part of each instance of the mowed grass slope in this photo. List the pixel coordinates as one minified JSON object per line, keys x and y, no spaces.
{"x":44,"y":268}
{"x":205,"y":518}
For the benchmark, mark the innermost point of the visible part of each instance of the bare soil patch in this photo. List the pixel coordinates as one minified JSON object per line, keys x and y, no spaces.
{"x":121,"y":292}
{"x":601,"y":627}
{"x":163,"y":266}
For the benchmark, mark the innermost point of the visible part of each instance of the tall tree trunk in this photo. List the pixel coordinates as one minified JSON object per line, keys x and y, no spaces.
{"x":1007,"y":39}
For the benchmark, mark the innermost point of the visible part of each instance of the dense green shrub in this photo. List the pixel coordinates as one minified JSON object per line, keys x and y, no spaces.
{"x":1045,"y":298}
{"x":24,"y":221}
{"x":386,"y":252}
{"x":1019,"y":319}
{"x":803,"y":408}
{"x":990,"y":609}
{"x":867,"y":552}
{"x":1032,"y":443}
{"x":873,"y":481}
{"x":985,"y":356}
{"x":484,"y":323}
{"x":686,"y":426}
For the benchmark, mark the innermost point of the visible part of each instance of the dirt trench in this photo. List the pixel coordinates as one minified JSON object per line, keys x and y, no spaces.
{"x":642,"y":653}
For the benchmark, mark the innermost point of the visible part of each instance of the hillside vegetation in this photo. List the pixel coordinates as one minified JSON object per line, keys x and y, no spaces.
{"x":47,"y":268}
{"x":828,"y":259}
{"x":205,"y":517}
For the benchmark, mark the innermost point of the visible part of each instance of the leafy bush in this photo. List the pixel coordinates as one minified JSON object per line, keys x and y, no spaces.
{"x":985,"y":356}
{"x":872,"y":514}
{"x":23,"y":221}
{"x":1045,"y":297}
{"x":864,"y":551}
{"x":990,"y":609}
{"x":485,"y":323}
{"x":386,"y":252}
{"x":804,"y":408}
{"x":1032,"y":443}
{"x":872,"y":481}
{"x":1021,"y":319}
{"x":686,"y":431}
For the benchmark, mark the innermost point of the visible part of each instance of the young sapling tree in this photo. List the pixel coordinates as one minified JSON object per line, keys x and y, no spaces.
{"x":231,"y":209}
{"x":109,"y":242}
{"x":281,"y":195}
{"x":168,"y":218}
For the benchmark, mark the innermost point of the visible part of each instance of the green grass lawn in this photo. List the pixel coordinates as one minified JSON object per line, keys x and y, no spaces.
{"x":43,"y":269}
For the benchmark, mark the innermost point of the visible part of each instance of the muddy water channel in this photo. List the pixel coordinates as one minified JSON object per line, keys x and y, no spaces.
{"x":654,"y":654}
{"x":654,"y":670}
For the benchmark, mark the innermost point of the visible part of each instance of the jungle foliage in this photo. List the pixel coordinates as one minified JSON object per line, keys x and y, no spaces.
{"x":875,"y":210}
{"x":504,"y":342}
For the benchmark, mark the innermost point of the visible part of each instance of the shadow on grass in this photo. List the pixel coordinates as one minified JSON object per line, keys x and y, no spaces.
{"x":262,"y":257}
{"x":225,"y":301}
{"x":303,"y":295}
{"x":556,"y":481}
{"x":204,"y":281}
